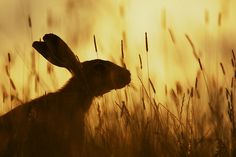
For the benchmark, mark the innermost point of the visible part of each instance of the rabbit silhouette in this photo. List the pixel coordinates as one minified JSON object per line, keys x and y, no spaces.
{"x":53,"y":124}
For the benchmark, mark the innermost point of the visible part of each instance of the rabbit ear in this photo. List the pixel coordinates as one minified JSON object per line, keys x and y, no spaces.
{"x":56,"y":51}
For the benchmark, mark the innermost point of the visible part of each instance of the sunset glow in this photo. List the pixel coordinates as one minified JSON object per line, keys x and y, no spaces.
{"x":181,"y":55}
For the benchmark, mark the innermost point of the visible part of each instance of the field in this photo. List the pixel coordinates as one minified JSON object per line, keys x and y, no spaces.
{"x":181,"y":100}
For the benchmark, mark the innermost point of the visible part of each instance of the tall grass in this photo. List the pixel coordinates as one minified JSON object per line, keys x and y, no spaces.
{"x":194,"y":120}
{"x":179,"y":126}
{"x":188,"y":131}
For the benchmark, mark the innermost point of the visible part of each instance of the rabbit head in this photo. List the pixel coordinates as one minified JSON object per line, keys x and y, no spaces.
{"x":103,"y":76}
{"x":97,"y":76}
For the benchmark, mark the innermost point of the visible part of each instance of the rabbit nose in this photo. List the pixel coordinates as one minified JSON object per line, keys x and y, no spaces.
{"x":128,"y":76}
{"x":121,"y":79}
{"x":125,"y":77}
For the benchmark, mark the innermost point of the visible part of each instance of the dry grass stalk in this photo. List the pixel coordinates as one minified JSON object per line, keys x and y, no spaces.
{"x":124,"y":38}
{"x":196,"y":82}
{"x":122,"y":11}
{"x":7,"y":70}
{"x":204,"y":76}
{"x":146,"y":41}
{"x":143,"y":103}
{"x":153,"y":88}
{"x":232,"y":82}
{"x":219,"y":19}
{"x":33,"y":63}
{"x":122,"y":54}
{"x":95,"y":43}
{"x":12,"y":84}
{"x":233,"y":55}
{"x":100,"y":119}
{"x":122,"y":49}
{"x":200,"y":64}
{"x":49,"y":19}
{"x":191,"y":94}
{"x":29,"y":21}
{"x":198,"y":94}
{"x":222,"y":68}
{"x":192,"y":45}
{"x":124,"y":110}
{"x":49,"y":68}
{"x":227,"y":93}
{"x":232,"y":62}
{"x":140,"y":61}
{"x":172,"y":36}
{"x":166,"y":90}
{"x":156,"y":106}
{"x":179,"y":88}
{"x":229,"y":96}
{"x":231,"y":115}
{"x":9,"y":57}
{"x":174,"y":97}
{"x":5,"y":94}
{"x":37,"y":82}
{"x":182,"y":105}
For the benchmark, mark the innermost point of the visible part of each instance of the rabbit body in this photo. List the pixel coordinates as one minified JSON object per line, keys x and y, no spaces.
{"x":53,"y":124}
{"x":44,"y":127}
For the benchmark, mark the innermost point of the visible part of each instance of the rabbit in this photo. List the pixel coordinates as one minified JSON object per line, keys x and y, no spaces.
{"x":53,"y":124}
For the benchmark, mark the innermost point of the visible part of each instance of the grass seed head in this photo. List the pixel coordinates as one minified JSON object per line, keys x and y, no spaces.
{"x":222,"y":68}
{"x":146,"y":41}
{"x":192,"y":45}
{"x":9,"y":57}
{"x":140,"y":61}
{"x":219,"y":19}
{"x":153,"y":88}
{"x":172,"y":36}
{"x":29,"y":21}
{"x":200,"y":64}
{"x":95,"y":43}
{"x":179,"y":88}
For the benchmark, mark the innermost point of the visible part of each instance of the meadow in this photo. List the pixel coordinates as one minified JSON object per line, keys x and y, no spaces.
{"x":181,"y":100}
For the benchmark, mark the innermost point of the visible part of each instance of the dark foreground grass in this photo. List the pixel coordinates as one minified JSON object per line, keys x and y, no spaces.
{"x":192,"y":132}
{"x":193,"y":121}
